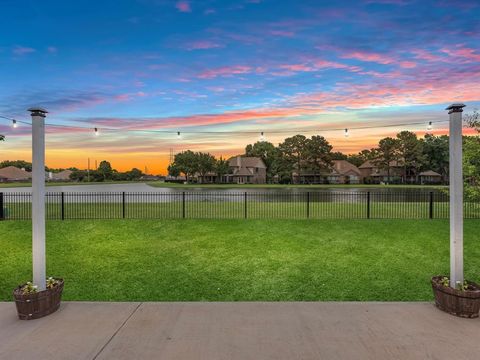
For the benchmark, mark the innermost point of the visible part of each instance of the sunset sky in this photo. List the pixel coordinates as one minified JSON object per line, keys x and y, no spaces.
{"x":277,"y":66}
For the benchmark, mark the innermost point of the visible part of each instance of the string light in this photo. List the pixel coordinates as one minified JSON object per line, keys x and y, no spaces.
{"x":247,"y":132}
{"x":14,"y":123}
{"x":96,"y":132}
{"x":429,"y":127}
{"x":346,"y":133}
{"x":179,"y":136}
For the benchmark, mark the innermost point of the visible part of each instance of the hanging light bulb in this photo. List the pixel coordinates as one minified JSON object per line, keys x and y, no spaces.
{"x":96,"y":132}
{"x":179,"y":135}
{"x":14,"y":123}
{"x":346,"y":133}
{"x":262,"y":136}
{"x":429,"y":127}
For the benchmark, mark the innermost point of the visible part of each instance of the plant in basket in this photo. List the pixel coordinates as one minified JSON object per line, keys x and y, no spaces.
{"x":34,"y":304}
{"x":463,"y":300}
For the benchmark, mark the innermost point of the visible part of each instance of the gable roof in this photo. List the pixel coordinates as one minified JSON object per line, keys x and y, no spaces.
{"x":429,"y":173}
{"x":342,"y":167}
{"x":366,"y":165}
{"x":246,"y":161}
{"x":369,"y":164}
{"x":62,"y":175}
{"x":243,"y":171}
{"x":14,"y":173}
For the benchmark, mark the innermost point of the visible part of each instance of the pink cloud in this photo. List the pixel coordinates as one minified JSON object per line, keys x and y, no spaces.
{"x":313,"y":65}
{"x":183,"y":6}
{"x":426,"y":55}
{"x":22,"y":50}
{"x":466,"y":53}
{"x":378,"y":58}
{"x":225,"y":71}
{"x":297,"y":67}
{"x":407,"y":64}
{"x":368,"y":57}
{"x":202,"y":45}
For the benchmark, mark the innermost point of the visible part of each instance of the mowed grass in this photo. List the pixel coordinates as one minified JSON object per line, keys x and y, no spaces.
{"x":235,"y":260}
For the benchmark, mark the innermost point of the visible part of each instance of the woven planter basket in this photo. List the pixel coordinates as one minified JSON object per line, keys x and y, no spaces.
{"x":39,"y":304}
{"x":456,"y":302}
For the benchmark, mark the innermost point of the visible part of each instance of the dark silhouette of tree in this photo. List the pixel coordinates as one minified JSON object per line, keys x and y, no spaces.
{"x":386,"y":154}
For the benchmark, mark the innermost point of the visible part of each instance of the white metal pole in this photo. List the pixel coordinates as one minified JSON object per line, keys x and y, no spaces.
{"x":38,"y":196}
{"x":456,"y":195}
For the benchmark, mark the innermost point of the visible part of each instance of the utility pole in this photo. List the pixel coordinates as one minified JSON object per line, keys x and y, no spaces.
{"x":88,"y":170}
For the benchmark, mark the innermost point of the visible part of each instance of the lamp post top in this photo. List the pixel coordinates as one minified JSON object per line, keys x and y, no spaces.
{"x":455,"y":108}
{"x":36,"y":110}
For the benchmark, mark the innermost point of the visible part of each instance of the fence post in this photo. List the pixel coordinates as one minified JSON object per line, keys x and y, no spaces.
{"x":245,"y":201}
{"x":183,"y":205}
{"x":123,"y":205}
{"x":2,"y":214}
{"x":308,"y":204}
{"x":368,"y":204}
{"x":431,"y":205}
{"x":63,"y":205}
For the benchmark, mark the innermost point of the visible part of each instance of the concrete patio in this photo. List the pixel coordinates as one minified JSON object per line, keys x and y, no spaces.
{"x":325,"y":330}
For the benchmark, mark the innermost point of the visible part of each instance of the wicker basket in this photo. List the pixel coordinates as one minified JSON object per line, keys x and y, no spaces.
{"x":457,"y":302}
{"x":40,"y":304}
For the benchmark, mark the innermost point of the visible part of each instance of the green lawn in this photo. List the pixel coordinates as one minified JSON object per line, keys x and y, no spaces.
{"x":233,"y":260}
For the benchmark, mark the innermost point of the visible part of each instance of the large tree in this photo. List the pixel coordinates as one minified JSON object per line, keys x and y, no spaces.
{"x":186,"y":162}
{"x":221,"y":168}
{"x":173,"y":170}
{"x":267,"y":152}
{"x":436,"y":154}
{"x":205,"y":164}
{"x":105,"y":169}
{"x":318,"y":153}
{"x":410,"y":154}
{"x":386,"y":154}
{"x":292,"y":153}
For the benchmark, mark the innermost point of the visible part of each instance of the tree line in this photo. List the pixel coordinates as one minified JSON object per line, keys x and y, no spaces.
{"x":104,"y":171}
{"x":190,"y":163}
{"x":314,"y":155}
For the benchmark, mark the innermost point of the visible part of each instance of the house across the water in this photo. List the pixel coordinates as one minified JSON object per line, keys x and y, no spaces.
{"x":341,"y":172}
{"x":12,"y":173}
{"x":242,"y":170}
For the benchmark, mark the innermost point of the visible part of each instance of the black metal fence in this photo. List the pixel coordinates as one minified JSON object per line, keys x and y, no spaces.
{"x":208,"y":205}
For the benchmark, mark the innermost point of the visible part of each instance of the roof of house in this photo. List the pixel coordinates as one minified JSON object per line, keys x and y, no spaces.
{"x":369,"y":164}
{"x":243,"y":171}
{"x":429,"y":173}
{"x":14,"y":173}
{"x":246,"y":161}
{"x":62,"y":175}
{"x":342,"y":167}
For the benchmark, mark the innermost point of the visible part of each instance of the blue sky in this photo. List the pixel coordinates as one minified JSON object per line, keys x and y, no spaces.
{"x":222,"y":65}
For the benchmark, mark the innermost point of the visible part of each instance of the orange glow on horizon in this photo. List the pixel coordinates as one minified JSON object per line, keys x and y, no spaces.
{"x":157,"y":162}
